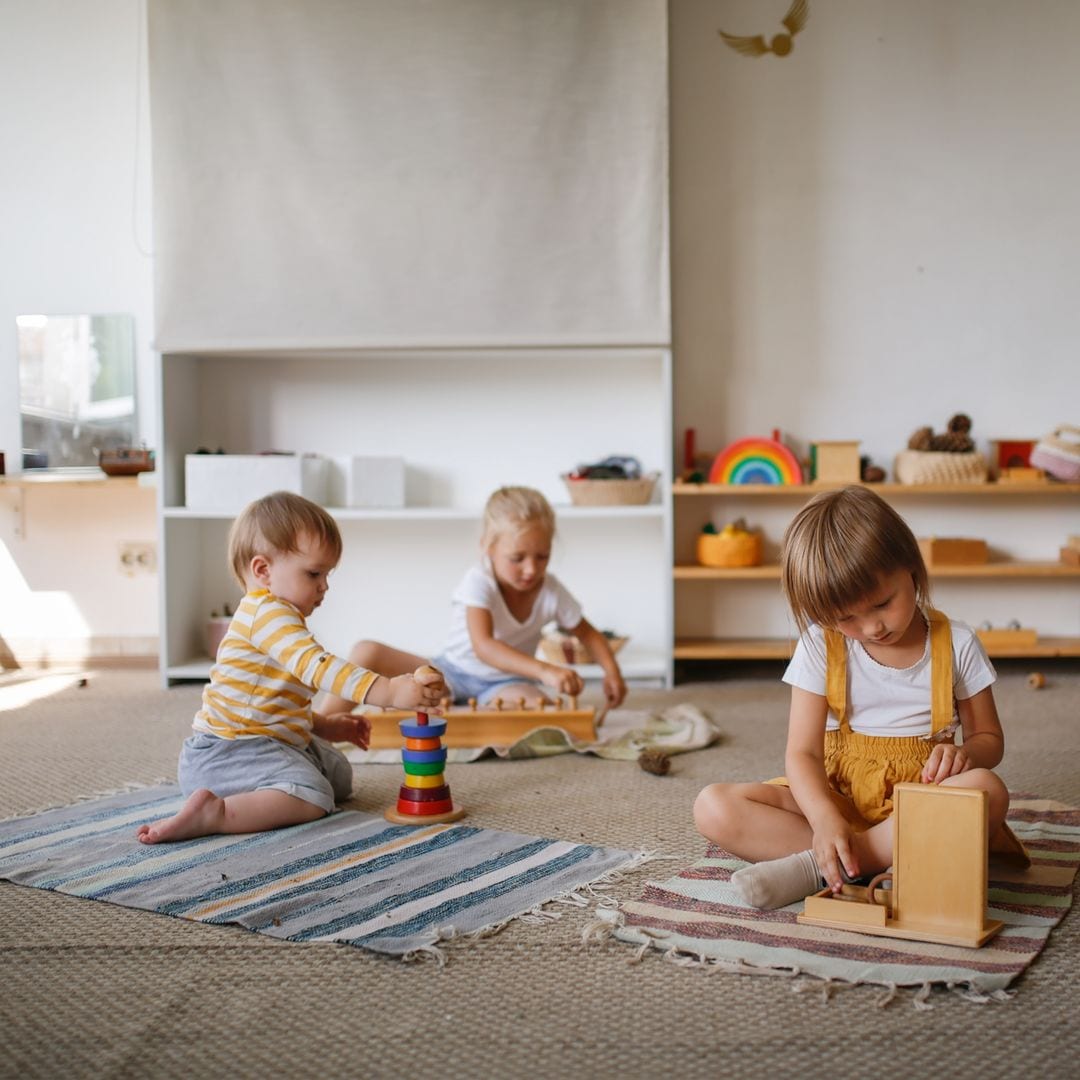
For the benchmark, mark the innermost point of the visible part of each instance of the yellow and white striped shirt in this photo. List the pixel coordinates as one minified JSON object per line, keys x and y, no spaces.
{"x":268,"y":669}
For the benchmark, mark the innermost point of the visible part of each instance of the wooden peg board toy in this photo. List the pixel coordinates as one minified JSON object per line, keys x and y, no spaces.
{"x":424,"y":798}
{"x":940,"y":845}
{"x":497,"y":724}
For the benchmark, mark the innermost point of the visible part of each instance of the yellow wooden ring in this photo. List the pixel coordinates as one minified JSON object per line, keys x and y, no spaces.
{"x":423,"y":781}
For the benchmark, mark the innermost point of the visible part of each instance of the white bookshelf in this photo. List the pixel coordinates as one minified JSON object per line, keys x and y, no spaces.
{"x":466,"y":421}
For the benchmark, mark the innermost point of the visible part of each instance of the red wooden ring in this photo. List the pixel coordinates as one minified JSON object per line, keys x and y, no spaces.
{"x":423,"y":809}
{"x":421,"y":794}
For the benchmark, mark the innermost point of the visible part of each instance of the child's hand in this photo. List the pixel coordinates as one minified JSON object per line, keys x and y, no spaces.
{"x":344,"y":727}
{"x":945,"y":760}
{"x":833,"y":853}
{"x":562,"y":679}
{"x":614,"y":690}
{"x":423,"y":690}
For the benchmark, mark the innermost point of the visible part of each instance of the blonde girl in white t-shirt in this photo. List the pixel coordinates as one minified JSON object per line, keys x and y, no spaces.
{"x":879,"y":684}
{"x":498,"y":612}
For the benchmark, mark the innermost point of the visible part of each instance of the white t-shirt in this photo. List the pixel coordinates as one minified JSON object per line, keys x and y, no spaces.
{"x":480,"y":590}
{"x":890,"y":701}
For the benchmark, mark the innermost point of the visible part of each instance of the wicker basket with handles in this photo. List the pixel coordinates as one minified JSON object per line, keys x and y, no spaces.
{"x":559,"y":648}
{"x":939,"y":467}
{"x":611,"y":492}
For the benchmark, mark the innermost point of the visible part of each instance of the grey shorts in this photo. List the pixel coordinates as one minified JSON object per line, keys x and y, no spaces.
{"x":464,"y":686}
{"x":318,"y":774}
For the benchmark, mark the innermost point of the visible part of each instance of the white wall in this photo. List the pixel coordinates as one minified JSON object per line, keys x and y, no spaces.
{"x":879,"y":229}
{"x":869,"y":235}
{"x":74,"y":216}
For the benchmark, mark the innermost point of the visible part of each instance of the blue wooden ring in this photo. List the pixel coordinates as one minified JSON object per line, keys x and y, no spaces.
{"x":423,"y":755}
{"x":433,"y":729}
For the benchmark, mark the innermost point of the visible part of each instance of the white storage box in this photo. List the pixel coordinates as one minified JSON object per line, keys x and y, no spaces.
{"x":373,"y":482}
{"x":230,"y":481}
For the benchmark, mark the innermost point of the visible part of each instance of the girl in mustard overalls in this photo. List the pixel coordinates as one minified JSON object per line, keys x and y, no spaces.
{"x":880,"y":683}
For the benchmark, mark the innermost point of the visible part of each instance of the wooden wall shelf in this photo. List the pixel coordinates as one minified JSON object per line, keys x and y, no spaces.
{"x":806,"y":490}
{"x":771,"y":571}
{"x":782,"y":648}
{"x":693,"y":584}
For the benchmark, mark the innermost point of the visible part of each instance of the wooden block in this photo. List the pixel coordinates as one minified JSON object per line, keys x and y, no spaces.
{"x":835,"y":462}
{"x":1070,"y":556}
{"x":953,"y":551}
{"x":1022,"y":475}
{"x":850,"y":910}
{"x":1011,"y":453}
{"x":486,"y":726}
{"x":1024,"y":637}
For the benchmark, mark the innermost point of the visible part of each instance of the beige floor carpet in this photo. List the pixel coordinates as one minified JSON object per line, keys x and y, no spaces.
{"x":88,"y":989}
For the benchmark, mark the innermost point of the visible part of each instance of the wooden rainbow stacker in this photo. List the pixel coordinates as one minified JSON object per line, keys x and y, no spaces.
{"x":497,"y":724}
{"x":424,"y":797}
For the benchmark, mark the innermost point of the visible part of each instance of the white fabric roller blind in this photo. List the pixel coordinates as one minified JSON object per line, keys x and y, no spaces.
{"x":413,"y":172}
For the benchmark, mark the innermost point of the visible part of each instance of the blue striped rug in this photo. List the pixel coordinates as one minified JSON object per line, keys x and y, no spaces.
{"x":349,"y":877}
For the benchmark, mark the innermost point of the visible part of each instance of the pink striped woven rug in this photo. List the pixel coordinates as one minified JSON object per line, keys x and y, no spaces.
{"x":697,"y":917}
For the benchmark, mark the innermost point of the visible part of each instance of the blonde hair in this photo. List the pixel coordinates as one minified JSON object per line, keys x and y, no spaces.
{"x":837,"y":548}
{"x":276,"y":524}
{"x":514,"y":509}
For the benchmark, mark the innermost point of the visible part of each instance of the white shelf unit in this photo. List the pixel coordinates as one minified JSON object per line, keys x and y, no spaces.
{"x":466,"y":421}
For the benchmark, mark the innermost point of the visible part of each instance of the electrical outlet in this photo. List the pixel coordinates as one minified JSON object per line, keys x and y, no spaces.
{"x":138,"y":556}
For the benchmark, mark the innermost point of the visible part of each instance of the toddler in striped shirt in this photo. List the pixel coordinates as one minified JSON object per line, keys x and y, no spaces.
{"x":260,"y":757}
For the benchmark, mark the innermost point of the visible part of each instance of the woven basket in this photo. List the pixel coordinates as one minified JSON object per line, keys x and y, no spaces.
{"x":939,"y":467}
{"x":566,"y":649}
{"x":611,"y":492}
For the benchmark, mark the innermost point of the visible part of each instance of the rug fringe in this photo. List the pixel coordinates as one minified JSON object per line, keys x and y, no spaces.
{"x":601,"y":931}
{"x":426,"y":952}
{"x":581,"y":896}
{"x":124,"y":789}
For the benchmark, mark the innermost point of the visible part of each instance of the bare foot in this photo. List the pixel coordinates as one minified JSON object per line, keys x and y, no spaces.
{"x":202,"y":815}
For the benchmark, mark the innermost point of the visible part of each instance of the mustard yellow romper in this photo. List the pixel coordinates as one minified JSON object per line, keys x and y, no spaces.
{"x":864,"y":769}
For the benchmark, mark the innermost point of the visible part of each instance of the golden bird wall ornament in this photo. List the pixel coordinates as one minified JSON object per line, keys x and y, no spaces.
{"x":781,"y":44}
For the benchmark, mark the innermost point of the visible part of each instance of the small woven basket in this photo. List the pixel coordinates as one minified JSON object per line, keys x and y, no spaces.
{"x":939,"y":467}
{"x":611,"y":492}
{"x":566,"y":649}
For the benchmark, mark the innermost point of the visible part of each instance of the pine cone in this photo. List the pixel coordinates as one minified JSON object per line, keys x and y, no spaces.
{"x":920,"y":440}
{"x":960,"y":424}
{"x":654,"y":761}
{"x":953,"y":443}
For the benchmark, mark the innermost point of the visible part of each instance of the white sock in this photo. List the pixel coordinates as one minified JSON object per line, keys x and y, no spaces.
{"x":778,"y":882}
